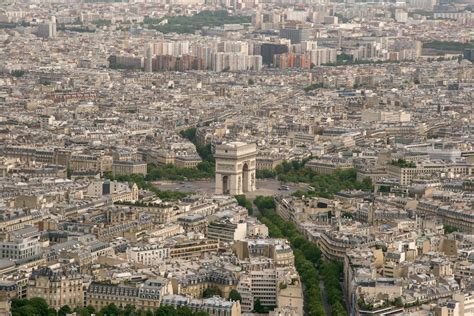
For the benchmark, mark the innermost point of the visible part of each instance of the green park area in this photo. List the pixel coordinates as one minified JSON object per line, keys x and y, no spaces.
{"x":448,"y":46}
{"x":190,"y":24}
{"x":323,"y":185}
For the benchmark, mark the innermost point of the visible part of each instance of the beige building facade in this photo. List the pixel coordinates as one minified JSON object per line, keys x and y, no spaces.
{"x":57,"y":288}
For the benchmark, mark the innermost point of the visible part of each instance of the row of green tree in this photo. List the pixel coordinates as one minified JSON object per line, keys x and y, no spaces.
{"x":307,"y":255}
{"x":211,"y":291}
{"x":190,"y":24}
{"x":313,"y":86}
{"x":307,"y":260}
{"x":282,"y":169}
{"x":265,"y":174}
{"x":171,"y":172}
{"x":208,"y":164}
{"x":77,"y":27}
{"x":39,"y":307}
{"x":449,"y":45}
{"x":402,"y":163}
{"x":450,"y":229}
{"x":346,"y":59}
{"x":323,"y":185}
{"x":331,"y":273}
{"x":102,"y":22}
{"x":326,"y":185}
{"x":120,"y":66}
{"x":12,"y":25}
{"x":18,"y":73}
{"x":428,"y":14}
{"x":242,"y":201}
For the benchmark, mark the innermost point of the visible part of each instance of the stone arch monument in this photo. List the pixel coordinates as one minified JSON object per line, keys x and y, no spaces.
{"x":235,"y":168}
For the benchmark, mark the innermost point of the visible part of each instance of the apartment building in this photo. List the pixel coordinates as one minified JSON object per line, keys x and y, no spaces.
{"x":57,"y":287}
{"x":214,"y":306}
{"x":329,"y":166}
{"x":117,"y":191}
{"x":295,"y":32}
{"x":454,"y":215}
{"x":407,"y":174}
{"x":125,"y":168}
{"x":194,"y":285}
{"x":187,"y":161}
{"x":258,"y":284}
{"x":162,"y":232}
{"x":147,"y":295}
{"x":22,"y":245}
{"x":81,"y":162}
{"x":59,"y":156}
{"x":193,"y":223}
{"x":385,"y":116}
{"x":276,"y":249}
{"x":150,"y":255}
{"x":268,"y":162}
{"x":193,"y":248}
{"x":334,"y":244}
{"x":11,"y":220}
{"x":226,"y":231}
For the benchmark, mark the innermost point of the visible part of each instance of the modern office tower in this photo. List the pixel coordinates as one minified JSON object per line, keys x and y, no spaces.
{"x":308,"y":45}
{"x":233,"y":47}
{"x":421,"y":4}
{"x":217,"y":62}
{"x":43,"y":30}
{"x":203,"y":51}
{"x":268,"y":50}
{"x":235,"y":62}
{"x":255,"y":62}
{"x":296,"y":15}
{"x":126,"y":61}
{"x":149,"y":58}
{"x":257,"y":19}
{"x":259,"y":284}
{"x":22,"y":245}
{"x":47,"y":29}
{"x":53,"y":26}
{"x":401,"y":16}
{"x":295,"y":32}
{"x":174,"y":48}
{"x":322,"y":56}
{"x":469,"y":54}
{"x":291,"y":60}
{"x":226,"y":231}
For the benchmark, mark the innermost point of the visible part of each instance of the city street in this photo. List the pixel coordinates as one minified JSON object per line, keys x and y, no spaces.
{"x":265,"y":187}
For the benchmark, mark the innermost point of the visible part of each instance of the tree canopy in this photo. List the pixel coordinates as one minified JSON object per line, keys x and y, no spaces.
{"x":234,"y":295}
{"x":190,"y":24}
{"x":39,"y":307}
{"x":242,"y":201}
{"x":212,"y":291}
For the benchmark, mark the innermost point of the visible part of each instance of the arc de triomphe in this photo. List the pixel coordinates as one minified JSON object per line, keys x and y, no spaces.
{"x":235,"y":168}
